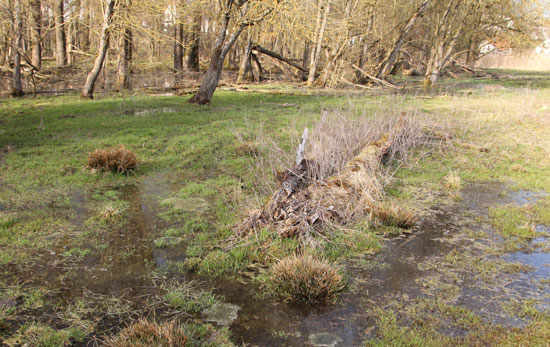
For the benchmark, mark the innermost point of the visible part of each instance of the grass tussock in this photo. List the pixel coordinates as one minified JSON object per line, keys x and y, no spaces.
{"x":307,"y":279}
{"x":394,"y":215}
{"x":145,"y":333}
{"x":115,"y":159}
{"x":453,"y":182}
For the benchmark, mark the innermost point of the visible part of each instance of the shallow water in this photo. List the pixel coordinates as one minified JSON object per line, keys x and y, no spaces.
{"x":124,"y":269}
{"x":350,"y":321}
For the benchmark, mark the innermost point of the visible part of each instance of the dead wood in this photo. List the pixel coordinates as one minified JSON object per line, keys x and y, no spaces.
{"x":304,"y":201}
{"x":375,"y":79}
{"x":279,"y":57}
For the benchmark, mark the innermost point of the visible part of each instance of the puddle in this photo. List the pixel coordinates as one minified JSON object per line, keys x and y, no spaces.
{"x":324,"y":340}
{"x":193,"y":205}
{"x":270,"y":322}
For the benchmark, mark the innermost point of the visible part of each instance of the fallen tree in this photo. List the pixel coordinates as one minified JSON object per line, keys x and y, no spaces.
{"x":306,"y":201}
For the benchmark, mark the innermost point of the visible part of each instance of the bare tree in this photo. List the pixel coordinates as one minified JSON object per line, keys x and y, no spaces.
{"x":319,"y":35}
{"x":36,"y":28}
{"x":60,"y":35}
{"x":88,"y":90}
{"x":389,"y":62}
{"x":238,"y":10}
{"x":17,"y":30}
{"x":191,"y":58}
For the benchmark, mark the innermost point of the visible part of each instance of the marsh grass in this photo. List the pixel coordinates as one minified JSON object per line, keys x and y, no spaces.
{"x":187,"y":297}
{"x":115,"y":159}
{"x":307,"y":279}
{"x":145,"y":333}
{"x":393,"y":215}
{"x":453,"y":183}
{"x":36,"y":334}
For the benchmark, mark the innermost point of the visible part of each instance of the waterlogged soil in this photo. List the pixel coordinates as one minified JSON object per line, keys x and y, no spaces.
{"x":411,"y":266}
{"x":401,"y":273}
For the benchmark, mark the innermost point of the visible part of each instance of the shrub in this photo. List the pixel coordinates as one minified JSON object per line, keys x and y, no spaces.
{"x":307,"y":279}
{"x":144,"y":333}
{"x":394,"y":216}
{"x":115,"y":159}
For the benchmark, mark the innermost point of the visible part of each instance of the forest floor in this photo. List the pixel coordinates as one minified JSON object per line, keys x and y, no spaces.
{"x":83,"y":254}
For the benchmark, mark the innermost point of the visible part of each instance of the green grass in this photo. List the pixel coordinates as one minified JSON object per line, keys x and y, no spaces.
{"x":186,"y":297}
{"x":192,"y":151}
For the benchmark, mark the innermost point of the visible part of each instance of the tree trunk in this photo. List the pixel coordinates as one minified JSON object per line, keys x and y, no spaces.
{"x":60,"y":37}
{"x":305,"y":59}
{"x":256,"y":68}
{"x":17,"y":30}
{"x":221,"y":48}
{"x":191,"y":59}
{"x":316,"y":56}
{"x":125,"y":55}
{"x":279,"y":57}
{"x":245,"y":60}
{"x":387,"y":66}
{"x":36,"y":26}
{"x":88,"y":90}
{"x":178,"y":47}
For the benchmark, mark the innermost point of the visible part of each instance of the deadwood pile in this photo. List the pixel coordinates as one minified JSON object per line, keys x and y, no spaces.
{"x":305,"y":204}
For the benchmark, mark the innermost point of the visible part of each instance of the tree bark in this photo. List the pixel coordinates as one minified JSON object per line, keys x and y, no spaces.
{"x":36,"y":28}
{"x":316,"y":56}
{"x":17,"y":30}
{"x":88,"y":90}
{"x":387,"y":66}
{"x":60,"y":36}
{"x":191,"y":58}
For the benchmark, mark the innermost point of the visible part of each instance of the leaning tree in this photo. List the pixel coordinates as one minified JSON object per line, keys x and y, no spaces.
{"x":235,"y":15}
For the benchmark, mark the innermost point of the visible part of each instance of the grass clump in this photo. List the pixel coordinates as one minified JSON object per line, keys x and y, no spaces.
{"x":146,"y":333}
{"x":186,"y":297}
{"x":393,"y":215}
{"x":115,"y":159}
{"x":40,"y":335}
{"x":453,"y":183}
{"x":307,"y":279}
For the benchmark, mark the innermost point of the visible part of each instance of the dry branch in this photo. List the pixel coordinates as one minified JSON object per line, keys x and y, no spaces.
{"x":377,"y":80}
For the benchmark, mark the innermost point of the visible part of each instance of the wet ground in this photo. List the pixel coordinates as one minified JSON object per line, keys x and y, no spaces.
{"x":409,"y":267}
